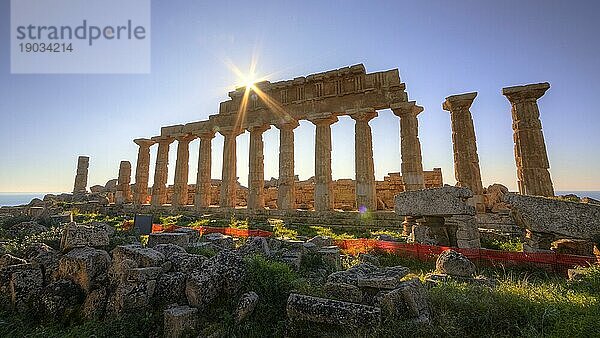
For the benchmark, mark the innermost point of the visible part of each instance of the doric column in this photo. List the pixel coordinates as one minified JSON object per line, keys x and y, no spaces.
{"x":530,"y":149}
{"x":323,"y":181}
{"x":159,"y":189}
{"x":363,"y":159}
{"x":256,"y":172}
{"x":227,"y":197}
{"x":123,"y":194}
{"x":81,"y":177}
{"x":410,"y":146}
{"x":142,"y":170}
{"x":203,"y":179}
{"x":286,"y":191}
{"x":466,"y":160}
{"x":180,"y":188}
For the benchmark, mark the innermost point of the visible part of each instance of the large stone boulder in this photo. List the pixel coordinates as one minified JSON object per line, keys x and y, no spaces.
{"x":409,"y":300}
{"x":25,"y":284}
{"x":60,"y":300}
{"x":444,"y":201}
{"x":170,"y":288}
{"x":179,"y":320}
{"x":143,"y":257}
{"x":44,"y":257}
{"x":87,"y":267}
{"x":454,"y":264}
{"x":76,"y":236}
{"x":181,"y":261}
{"x":554,"y":216}
{"x":328,"y":311}
{"x":220,"y":276}
{"x":255,"y":246}
{"x":494,"y":198}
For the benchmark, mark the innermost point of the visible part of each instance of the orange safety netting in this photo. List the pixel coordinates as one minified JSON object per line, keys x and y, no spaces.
{"x":548,"y":260}
{"x":207,"y":230}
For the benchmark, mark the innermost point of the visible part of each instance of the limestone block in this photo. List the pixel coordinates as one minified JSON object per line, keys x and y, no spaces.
{"x":179,"y":320}
{"x":87,"y":267}
{"x":74,"y":236}
{"x":409,"y":300}
{"x":342,"y":291}
{"x":442,"y":201}
{"x":384,"y":278}
{"x":557,"y":217}
{"x":180,"y":239}
{"x":455,"y":264}
{"x":328,"y":311}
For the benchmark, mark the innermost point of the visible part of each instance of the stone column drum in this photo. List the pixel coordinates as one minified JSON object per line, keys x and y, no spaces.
{"x":466,"y":159}
{"x":142,"y":171}
{"x":323,"y":181}
{"x":410,"y":146}
{"x":203,"y":179}
{"x":363,"y":158}
{"x":123,"y":194}
{"x":227,"y":196}
{"x":159,"y":189}
{"x":256,"y":172}
{"x":410,"y":151}
{"x":530,"y":148}
{"x":286,"y":190}
{"x":182,"y":167}
{"x":81,"y":177}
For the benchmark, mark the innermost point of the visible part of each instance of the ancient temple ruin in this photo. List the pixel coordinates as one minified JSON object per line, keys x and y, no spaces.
{"x":321,"y":99}
{"x":318,"y":98}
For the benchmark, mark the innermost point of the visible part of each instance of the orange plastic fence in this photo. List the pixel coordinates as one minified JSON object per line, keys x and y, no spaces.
{"x":548,"y":260}
{"x":207,"y":230}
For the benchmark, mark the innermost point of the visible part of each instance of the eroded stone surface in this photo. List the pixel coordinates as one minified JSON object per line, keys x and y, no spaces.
{"x":322,"y":310}
{"x":444,"y":201}
{"x":557,"y":217}
{"x":455,"y":264}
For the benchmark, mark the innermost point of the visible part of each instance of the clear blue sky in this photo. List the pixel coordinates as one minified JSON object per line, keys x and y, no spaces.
{"x":441,"y":48}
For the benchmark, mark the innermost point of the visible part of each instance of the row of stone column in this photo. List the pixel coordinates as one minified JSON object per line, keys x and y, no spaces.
{"x":530,"y":149}
{"x":412,"y":168}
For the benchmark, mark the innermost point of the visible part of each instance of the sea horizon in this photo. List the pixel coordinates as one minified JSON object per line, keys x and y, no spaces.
{"x":8,"y":199}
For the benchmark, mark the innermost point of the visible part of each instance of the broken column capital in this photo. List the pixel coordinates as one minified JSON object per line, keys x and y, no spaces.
{"x":364,"y":115}
{"x":323,"y":119}
{"x":184,"y":137}
{"x":459,"y":102}
{"x":144,"y":142}
{"x":229,"y":131}
{"x":406,"y":109}
{"x":287,"y":125}
{"x":530,"y":92}
{"x":260,"y":128}
{"x":163,"y":139}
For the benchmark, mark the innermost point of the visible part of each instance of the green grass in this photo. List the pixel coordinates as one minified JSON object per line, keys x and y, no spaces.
{"x":133,"y":325}
{"x":513,"y":244}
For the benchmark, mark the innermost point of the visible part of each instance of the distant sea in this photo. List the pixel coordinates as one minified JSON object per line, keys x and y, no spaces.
{"x":18,"y":198}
